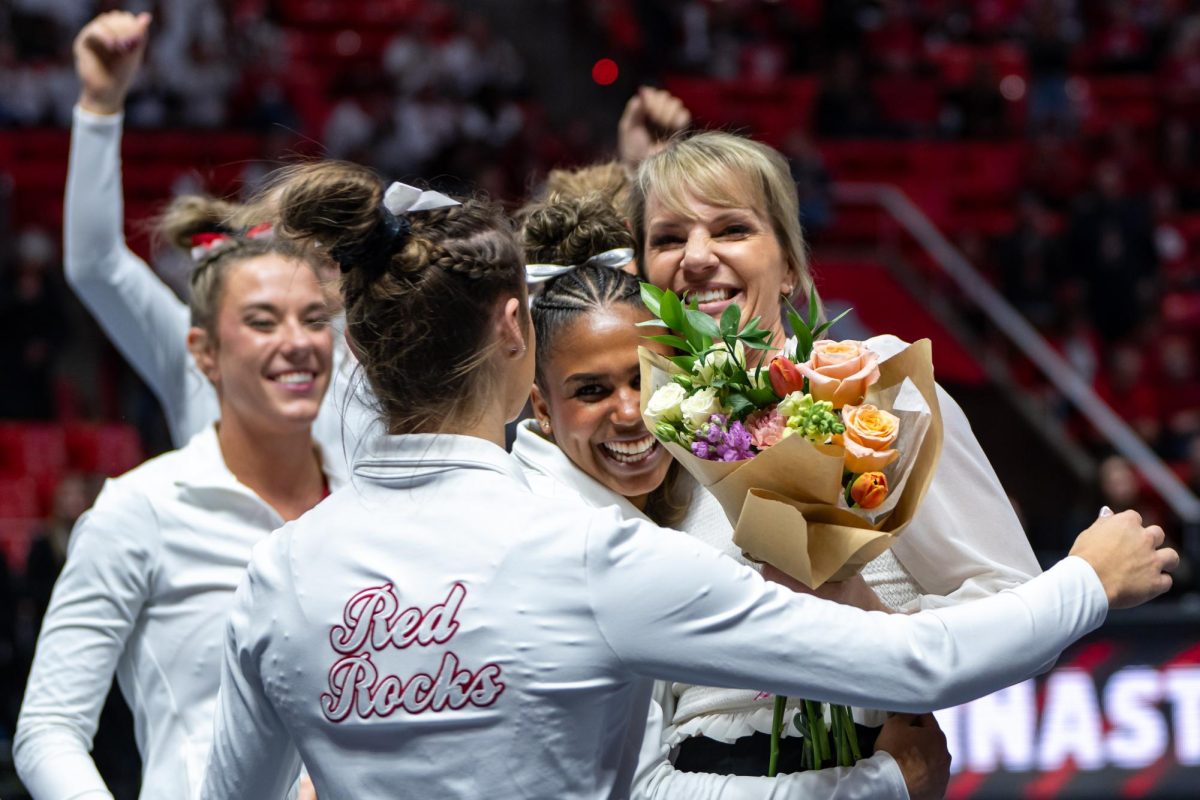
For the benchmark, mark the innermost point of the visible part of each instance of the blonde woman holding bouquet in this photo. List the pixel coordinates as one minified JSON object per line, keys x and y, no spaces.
{"x":438,"y":626}
{"x":152,"y":567}
{"x":588,"y":442}
{"x":716,"y":220}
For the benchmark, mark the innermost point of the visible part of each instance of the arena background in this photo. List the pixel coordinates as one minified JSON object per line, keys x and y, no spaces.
{"x":1018,"y":180}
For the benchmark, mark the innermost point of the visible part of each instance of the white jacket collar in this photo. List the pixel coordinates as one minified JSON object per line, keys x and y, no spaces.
{"x":416,"y":457}
{"x":204,"y":467}
{"x":540,"y":456}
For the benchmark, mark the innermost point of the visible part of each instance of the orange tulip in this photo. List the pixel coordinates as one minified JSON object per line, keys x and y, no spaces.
{"x":785,"y":377}
{"x":869,"y":490}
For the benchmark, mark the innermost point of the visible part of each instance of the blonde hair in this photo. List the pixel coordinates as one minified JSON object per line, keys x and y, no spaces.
{"x":419,"y":303}
{"x":727,"y":171}
{"x":189,"y":215}
{"x":607,"y":179}
{"x":570,"y":231}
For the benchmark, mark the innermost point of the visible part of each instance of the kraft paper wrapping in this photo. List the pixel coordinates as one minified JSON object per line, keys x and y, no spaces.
{"x":784,"y":502}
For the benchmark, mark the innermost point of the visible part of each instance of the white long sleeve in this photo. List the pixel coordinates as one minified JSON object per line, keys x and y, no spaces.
{"x":93,"y":610}
{"x":247,"y":728}
{"x":503,"y":641}
{"x":875,"y":778}
{"x":820,"y":650}
{"x":138,"y":312}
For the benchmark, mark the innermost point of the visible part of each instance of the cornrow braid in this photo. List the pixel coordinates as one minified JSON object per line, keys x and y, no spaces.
{"x":574,"y":294}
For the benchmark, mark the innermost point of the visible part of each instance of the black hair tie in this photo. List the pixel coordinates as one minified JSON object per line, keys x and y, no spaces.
{"x":374,"y":252}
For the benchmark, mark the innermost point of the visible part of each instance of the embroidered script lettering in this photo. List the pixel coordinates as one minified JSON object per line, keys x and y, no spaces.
{"x":373,"y":620}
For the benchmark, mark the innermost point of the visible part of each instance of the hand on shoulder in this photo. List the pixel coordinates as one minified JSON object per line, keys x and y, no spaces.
{"x":1129,"y":559}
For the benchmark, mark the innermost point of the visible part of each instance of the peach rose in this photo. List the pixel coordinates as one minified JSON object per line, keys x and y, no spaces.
{"x":869,"y":490}
{"x":869,"y":435}
{"x":840,"y":372}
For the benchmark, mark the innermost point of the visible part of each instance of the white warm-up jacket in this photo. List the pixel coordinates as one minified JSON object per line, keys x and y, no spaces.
{"x":439,"y":630}
{"x":145,"y":319}
{"x":146,"y":591}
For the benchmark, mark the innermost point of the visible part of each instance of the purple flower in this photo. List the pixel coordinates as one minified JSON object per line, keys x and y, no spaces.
{"x":713,"y":433}
{"x":736,"y":445}
{"x":700,"y":449}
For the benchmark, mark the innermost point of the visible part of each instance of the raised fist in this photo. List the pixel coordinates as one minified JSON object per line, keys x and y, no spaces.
{"x":108,"y":52}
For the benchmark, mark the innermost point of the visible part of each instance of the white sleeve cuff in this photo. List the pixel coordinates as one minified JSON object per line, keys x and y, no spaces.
{"x":83,"y":117}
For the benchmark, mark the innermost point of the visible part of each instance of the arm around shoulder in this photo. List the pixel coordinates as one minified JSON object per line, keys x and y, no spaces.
{"x":676,"y":609}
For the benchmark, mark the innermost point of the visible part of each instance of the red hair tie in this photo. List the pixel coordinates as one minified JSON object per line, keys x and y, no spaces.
{"x":203,"y":244}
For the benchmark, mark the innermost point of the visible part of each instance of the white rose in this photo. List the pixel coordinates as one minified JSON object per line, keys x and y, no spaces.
{"x":664,"y":403}
{"x":699,"y":407}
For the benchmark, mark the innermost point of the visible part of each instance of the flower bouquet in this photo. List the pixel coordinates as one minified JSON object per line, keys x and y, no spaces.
{"x":819,"y":454}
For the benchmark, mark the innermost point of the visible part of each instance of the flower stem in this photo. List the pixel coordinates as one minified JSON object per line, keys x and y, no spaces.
{"x":776,"y":729}
{"x":852,"y":733}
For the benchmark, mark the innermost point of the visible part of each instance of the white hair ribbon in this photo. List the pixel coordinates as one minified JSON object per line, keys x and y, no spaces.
{"x":400,"y":199}
{"x":614,"y":259}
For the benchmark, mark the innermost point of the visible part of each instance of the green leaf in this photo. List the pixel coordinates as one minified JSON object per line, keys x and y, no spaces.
{"x":730,"y":318}
{"x":651,"y":323}
{"x":652,"y":298}
{"x":757,"y":345}
{"x":827,"y":325}
{"x":739,"y":405}
{"x":669,"y":341}
{"x":804,"y":343}
{"x":672,"y":312}
{"x":813,"y":305}
{"x":703,"y":323}
{"x":684,"y":362}
{"x":796,"y":321}
{"x":762,"y":397}
{"x":752,"y":325}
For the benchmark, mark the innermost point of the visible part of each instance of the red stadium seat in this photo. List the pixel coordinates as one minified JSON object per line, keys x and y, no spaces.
{"x":107,"y":449}
{"x":19,"y":497}
{"x":32,"y":449}
{"x":16,"y":537}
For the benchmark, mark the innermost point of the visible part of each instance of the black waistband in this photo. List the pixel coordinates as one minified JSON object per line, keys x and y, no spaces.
{"x":750,"y":755}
